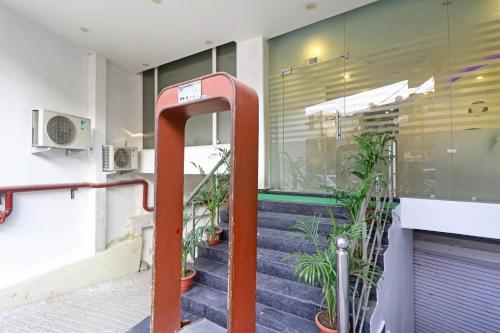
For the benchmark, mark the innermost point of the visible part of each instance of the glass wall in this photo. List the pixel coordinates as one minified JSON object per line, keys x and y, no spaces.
{"x":226,"y":62}
{"x":426,"y":71}
{"x":199,"y":130}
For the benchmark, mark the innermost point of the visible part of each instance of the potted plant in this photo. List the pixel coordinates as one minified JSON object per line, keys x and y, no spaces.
{"x":319,"y":268}
{"x":214,"y":194}
{"x":190,"y":241}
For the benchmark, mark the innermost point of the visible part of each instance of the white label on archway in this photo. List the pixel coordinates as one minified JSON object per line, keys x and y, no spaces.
{"x":189,"y":92}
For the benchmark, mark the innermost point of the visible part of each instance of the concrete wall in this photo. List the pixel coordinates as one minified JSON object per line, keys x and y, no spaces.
{"x":124,"y":126}
{"x":251,"y":68}
{"x":454,"y":217}
{"x":48,"y":230}
{"x":45,"y":230}
{"x":395,"y":290}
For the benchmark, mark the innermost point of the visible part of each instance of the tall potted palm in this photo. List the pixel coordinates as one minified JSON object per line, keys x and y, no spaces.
{"x":320,"y":267}
{"x":214,"y":194}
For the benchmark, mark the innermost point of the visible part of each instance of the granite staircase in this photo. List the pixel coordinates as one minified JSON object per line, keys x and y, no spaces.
{"x":284,"y":304}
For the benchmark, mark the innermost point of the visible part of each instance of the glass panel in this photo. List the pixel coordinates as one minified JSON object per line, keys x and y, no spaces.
{"x":303,"y":142}
{"x":199,"y":128}
{"x":199,"y":131}
{"x":226,"y":62}
{"x":426,"y":71}
{"x":397,"y":81}
{"x":226,"y":58}
{"x":475,"y":68}
{"x":185,"y":69}
{"x":148,"y":108}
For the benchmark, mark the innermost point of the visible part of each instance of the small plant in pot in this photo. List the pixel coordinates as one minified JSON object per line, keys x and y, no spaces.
{"x":190,"y":241}
{"x":319,"y":268}
{"x":214,"y":194}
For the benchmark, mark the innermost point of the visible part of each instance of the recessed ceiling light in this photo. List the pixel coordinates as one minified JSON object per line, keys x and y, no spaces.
{"x":479,"y":77}
{"x":84,"y":30}
{"x":347,"y":76}
{"x":208,"y":42}
{"x":311,"y":6}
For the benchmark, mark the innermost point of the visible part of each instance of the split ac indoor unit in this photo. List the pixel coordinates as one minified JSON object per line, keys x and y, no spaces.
{"x":119,"y":158}
{"x":52,"y":129}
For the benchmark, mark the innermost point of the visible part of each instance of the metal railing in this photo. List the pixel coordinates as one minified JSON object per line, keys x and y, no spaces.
{"x":342,"y":244}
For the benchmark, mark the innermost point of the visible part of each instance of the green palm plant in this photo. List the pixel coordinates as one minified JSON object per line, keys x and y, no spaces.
{"x":216,"y":191}
{"x":191,"y":239}
{"x":319,"y":268}
{"x":369,"y":165}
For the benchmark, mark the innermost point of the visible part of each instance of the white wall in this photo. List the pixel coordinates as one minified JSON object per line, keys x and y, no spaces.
{"x":124,"y":126}
{"x":251,"y":69}
{"x":395,"y":289}
{"x":46,"y":230}
{"x":454,"y":217}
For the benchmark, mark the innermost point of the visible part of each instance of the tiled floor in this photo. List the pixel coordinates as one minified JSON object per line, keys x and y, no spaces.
{"x":110,"y":307}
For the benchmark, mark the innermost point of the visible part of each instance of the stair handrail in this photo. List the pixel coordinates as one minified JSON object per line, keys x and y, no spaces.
{"x":207,"y":177}
{"x":342,"y":254}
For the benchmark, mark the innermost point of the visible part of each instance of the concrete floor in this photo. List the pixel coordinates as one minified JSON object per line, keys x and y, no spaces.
{"x":110,"y":307}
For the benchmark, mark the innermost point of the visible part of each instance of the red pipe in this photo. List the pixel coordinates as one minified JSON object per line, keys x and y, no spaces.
{"x":9,"y":192}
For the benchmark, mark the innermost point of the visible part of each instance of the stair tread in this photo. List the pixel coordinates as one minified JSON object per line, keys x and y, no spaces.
{"x":296,"y":217}
{"x":272,"y":319}
{"x":278,"y":257}
{"x":268,"y":283}
{"x":287,"y":235}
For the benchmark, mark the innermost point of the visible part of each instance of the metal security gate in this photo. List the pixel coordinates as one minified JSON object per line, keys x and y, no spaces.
{"x":457,"y":289}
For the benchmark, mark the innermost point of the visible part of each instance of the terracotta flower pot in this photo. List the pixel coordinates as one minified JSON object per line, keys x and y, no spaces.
{"x":188,"y":280}
{"x":323,"y":328}
{"x":214,"y":239}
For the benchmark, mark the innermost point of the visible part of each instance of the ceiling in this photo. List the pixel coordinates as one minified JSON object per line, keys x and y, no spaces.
{"x":140,"y":34}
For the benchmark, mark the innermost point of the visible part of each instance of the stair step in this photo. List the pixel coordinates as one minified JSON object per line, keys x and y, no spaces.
{"x":283,"y":221}
{"x":288,"y":296}
{"x":269,"y":262}
{"x":279,"y":240}
{"x":212,"y":304}
{"x":303,"y":208}
{"x":144,"y":326}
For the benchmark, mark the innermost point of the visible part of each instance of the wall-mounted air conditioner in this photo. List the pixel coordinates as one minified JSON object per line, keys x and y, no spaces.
{"x":119,"y":158}
{"x":59,"y":130}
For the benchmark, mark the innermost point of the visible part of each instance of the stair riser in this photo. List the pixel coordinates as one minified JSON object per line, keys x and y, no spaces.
{"x":283,"y":223}
{"x":271,"y":268}
{"x":267,"y":319}
{"x":276,"y":244}
{"x":198,"y":309}
{"x":302,"y":209}
{"x":288,"y":225}
{"x":277,"y":301}
{"x":263,"y":266}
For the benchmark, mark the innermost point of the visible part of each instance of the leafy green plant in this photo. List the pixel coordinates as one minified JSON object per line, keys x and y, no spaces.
{"x":191,"y":239}
{"x":319,"y":268}
{"x":369,"y":165}
{"x":216,"y":190}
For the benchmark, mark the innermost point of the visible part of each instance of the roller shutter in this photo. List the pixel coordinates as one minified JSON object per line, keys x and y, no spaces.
{"x":456,"y":288}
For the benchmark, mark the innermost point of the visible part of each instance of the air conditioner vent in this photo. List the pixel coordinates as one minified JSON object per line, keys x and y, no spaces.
{"x":122,"y":158}
{"x":119,"y":158}
{"x":52,"y":129}
{"x":61,"y":130}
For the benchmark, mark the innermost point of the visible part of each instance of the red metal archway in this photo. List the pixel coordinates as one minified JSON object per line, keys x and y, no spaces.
{"x":219,"y":92}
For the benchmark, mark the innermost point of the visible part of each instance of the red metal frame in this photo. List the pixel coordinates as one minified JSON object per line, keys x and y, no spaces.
{"x":221,"y":92}
{"x":9,"y":192}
